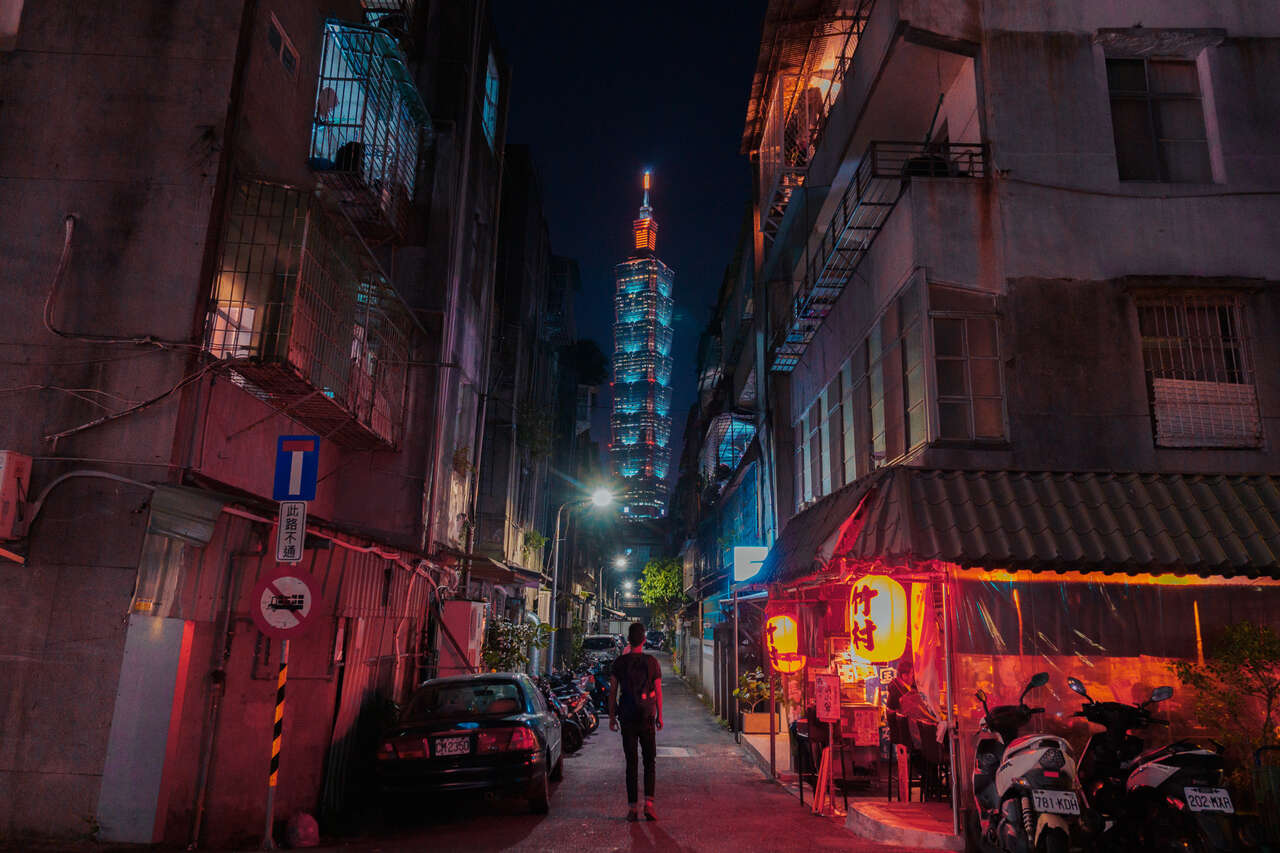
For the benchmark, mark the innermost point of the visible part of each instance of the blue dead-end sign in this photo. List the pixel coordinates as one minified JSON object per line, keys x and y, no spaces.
{"x":297,"y":463}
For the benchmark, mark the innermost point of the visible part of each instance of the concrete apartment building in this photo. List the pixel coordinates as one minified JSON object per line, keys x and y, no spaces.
{"x":232,"y":222}
{"x":1008,"y":260}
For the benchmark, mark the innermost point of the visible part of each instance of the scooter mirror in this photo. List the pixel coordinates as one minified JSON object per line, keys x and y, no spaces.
{"x":981,"y":696}
{"x":1161,"y":693}
{"x":1077,"y":687}
{"x":1040,"y":679}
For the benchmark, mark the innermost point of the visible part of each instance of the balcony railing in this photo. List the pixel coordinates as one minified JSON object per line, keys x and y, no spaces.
{"x":883,"y":172}
{"x":367,"y":127}
{"x":315,"y":329}
{"x":800,"y":103}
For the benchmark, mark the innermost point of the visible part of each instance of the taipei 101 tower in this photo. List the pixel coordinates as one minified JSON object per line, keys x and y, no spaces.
{"x":641,"y":424}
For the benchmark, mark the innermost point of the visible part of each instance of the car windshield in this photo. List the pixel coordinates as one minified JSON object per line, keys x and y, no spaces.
{"x":465,"y":699}
{"x":599,"y":644}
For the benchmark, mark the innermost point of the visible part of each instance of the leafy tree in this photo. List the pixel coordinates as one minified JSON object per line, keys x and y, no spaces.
{"x":507,"y":644}
{"x":662,"y":588}
{"x":1236,"y":691}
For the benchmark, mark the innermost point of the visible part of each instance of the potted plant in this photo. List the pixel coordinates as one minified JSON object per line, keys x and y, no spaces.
{"x":753,"y":701}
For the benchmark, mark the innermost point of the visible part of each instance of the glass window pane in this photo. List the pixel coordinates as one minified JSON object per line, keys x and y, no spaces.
{"x":953,"y":420}
{"x":948,"y":337}
{"x":1174,"y":77}
{"x":981,"y":338}
{"x":1180,"y":118}
{"x":877,"y":418}
{"x":913,"y":342}
{"x":916,"y":432}
{"x":985,"y":374}
{"x":909,"y":302}
{"x":951,"y":378}
{"x":1135,"y":140}
{"x":1187,"y":162}
{"x":915,"y":386}
{"x":988,"y":421}
{"x":1126,"y":75}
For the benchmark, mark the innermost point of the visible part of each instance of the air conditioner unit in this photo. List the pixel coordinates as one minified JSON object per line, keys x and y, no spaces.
{"x":15,"y":480}
{"x":464,"y":622}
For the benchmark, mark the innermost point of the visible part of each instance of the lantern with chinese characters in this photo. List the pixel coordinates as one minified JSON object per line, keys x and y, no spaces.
{"x":782,"y":638}
{"x":877,"y":619}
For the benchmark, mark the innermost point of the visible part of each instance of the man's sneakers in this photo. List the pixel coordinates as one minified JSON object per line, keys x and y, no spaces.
{"x":633,"y":814}
{"x":649,"y":813}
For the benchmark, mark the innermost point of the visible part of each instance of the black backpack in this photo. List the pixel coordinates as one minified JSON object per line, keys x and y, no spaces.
{"x":639,"y":699}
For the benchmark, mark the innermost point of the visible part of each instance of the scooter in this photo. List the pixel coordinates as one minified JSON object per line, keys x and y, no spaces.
{"x":1024,"y":787}
{"x":1169,"y":798}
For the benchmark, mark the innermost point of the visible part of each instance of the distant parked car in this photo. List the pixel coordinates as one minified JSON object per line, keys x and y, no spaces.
{"x":654,"y":639}
{"x":491,"y":732}
{"x":600,"y":646}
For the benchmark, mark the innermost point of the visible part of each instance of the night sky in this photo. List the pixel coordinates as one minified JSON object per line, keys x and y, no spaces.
{"x":602,"y":90}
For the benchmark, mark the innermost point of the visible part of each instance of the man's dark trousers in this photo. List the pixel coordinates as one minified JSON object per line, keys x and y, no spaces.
{"x":642,"y":733}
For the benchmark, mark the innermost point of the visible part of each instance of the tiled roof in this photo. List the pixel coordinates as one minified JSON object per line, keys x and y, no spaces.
{"x":1207,"y":524}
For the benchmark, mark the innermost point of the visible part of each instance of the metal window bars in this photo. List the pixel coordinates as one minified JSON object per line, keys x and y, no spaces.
{"x":801,"y":101}
{"x":1198,"y":363}
{"x":367,"y":127}
{"x":883,"y":172}
{"x":315,"y":328}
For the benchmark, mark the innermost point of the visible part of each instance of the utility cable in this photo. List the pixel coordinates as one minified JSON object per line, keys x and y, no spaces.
{"x":69,"y":224}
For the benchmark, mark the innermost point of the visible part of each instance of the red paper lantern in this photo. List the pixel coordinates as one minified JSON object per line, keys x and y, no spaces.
{"x":782,"y":637}
{"x":878,"y":619}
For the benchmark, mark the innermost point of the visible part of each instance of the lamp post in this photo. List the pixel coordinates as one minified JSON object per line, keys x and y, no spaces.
{"x":600,"y":498}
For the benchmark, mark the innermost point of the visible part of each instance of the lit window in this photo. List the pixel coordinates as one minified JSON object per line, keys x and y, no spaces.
{"x":489,"y":119}
{"x":1199,"y":376}
{"x":1158,"y":119}
{"x":970,"y":389}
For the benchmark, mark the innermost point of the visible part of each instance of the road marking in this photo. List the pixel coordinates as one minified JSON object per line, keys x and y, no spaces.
{"x":674,"y":752}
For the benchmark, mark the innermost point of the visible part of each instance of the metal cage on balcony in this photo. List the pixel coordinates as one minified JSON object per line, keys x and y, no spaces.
{"x":315,"y":328}
{"x":367,"y":127}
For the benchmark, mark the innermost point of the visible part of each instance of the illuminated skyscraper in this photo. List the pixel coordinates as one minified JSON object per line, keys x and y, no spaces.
{"x":641,"y":424}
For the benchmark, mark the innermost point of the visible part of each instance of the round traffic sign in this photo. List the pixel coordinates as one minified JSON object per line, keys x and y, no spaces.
{"x":284,"y":602}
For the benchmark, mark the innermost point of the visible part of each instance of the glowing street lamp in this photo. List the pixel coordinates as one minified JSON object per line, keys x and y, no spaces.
{"x":619,"y":562}
{"x":626,"y":585}
{"x":602,"y":497}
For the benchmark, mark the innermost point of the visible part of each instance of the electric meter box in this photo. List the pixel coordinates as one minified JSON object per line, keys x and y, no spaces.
{"x":15,"y":480}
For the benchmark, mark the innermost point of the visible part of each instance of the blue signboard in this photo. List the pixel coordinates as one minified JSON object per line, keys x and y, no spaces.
{"x":297,"y":463}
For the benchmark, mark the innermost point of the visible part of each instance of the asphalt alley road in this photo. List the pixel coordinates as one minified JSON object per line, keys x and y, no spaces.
{"x":710,"y":797}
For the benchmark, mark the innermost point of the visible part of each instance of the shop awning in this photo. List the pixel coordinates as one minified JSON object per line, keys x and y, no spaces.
{"x":1201,"y":524}
{"x":487,"y":568}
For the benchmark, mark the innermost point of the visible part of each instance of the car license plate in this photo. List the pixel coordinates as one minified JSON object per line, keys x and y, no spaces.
{"x":1055,"y":802}
{"x":451,"y":745}
{"x":1209,"y":800}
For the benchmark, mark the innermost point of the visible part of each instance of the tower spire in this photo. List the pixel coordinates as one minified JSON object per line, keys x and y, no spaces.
{"x":646,"y":212}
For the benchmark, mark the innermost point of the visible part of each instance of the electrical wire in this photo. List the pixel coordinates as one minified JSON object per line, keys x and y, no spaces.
{"x":69,"y":227}
{"x":187,"y":380}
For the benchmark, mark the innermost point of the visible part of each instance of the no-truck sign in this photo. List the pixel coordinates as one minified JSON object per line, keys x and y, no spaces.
{"x":283,"y":603}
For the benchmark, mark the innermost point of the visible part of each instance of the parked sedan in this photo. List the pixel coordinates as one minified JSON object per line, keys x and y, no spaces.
{"x":490,"y":732}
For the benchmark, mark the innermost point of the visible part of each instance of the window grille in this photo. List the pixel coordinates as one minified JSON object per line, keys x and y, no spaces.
{"x":315,"y":328}
{"x":367,"y":127}
{"x":1199,"y":371}
{"x":1158,"y":120}
{"x":970,"y":386}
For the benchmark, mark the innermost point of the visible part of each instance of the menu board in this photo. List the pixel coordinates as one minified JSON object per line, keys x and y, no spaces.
{"x":826,"y":695}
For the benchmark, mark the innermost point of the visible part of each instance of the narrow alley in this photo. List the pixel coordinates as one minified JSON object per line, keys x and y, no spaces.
{"x":710,"y":797}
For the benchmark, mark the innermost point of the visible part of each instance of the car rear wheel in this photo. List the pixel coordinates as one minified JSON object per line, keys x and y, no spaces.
{"x":557,"y":772}
{"x":540,"y":793}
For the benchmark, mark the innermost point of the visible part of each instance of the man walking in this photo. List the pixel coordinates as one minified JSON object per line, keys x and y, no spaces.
{"x":638,"y":678}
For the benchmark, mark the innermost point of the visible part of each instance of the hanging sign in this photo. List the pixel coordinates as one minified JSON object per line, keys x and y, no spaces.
{"x":782,"y":639}
{"x":826,"y":697}
{"x":878,"y":618}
